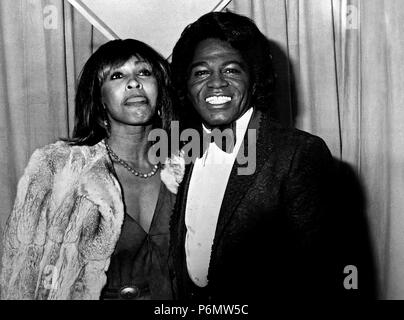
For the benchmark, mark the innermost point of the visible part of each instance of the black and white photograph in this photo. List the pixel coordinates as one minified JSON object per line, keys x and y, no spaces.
{"x":208,"y":156}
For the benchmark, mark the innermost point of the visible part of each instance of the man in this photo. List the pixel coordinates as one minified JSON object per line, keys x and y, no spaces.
{"x":245,"y":236}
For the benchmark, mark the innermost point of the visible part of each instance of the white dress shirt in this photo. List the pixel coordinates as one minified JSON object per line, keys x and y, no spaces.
{"x":205,"y":195}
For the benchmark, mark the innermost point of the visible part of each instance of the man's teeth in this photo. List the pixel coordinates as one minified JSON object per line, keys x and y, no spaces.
{"x":217,"y":99}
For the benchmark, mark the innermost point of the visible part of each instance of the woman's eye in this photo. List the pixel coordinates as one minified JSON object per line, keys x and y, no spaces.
{"x":116,"y":75}
{"x":145,"y":72}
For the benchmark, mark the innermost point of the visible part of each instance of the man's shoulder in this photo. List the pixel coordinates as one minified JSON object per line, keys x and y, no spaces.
{"x":290,"y":136}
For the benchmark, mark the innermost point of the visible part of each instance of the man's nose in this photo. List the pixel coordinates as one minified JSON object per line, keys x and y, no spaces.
{"x":217,"y":80}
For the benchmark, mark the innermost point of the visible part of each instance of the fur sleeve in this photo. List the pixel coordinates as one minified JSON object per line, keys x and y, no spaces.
{"x":25,"y":230}
{"x":64,"y":225}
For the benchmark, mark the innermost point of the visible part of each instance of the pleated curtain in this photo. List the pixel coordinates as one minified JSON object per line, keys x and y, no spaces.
{"x":339,"y":72}
{"x":43,"y":46}
{"x":345,"y":83}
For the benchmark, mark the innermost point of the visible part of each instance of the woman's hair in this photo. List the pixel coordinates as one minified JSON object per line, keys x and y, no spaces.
{"x":243,"y":35}
{"x":90,"y":114}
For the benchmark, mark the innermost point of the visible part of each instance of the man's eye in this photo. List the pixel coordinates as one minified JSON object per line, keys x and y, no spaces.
{"x":145,"y":72}
{"x":232,"y":71}
{"x":200,"y":73}
{"x":116,"y":75}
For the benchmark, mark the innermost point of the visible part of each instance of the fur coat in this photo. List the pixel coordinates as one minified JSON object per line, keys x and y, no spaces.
{"x":64,"y":225}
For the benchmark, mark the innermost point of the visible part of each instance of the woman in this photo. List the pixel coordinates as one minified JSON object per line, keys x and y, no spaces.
{"x":91,"y":215}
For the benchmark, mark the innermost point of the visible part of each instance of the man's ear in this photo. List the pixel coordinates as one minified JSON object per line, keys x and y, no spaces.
{"x":254,"y":87}
{"x":188,"y":96}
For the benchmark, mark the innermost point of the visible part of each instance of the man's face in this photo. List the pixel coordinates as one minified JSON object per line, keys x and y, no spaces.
{"x":218,"y":83}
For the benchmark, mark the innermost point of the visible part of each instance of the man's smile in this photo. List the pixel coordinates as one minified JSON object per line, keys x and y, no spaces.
{"x":217,"y":100}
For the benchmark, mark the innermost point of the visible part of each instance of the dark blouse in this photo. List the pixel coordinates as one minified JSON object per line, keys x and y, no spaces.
{"x":139,"y":267}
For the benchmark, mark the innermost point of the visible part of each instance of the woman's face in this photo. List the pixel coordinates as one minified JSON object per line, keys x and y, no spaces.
{"x":129,"y":94}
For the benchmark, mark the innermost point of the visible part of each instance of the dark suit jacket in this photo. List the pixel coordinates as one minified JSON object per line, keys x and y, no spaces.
{"x":269,"y":240}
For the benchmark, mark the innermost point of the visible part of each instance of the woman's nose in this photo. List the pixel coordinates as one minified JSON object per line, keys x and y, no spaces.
{"x":217,"y":81}
{"x":133,"y":83}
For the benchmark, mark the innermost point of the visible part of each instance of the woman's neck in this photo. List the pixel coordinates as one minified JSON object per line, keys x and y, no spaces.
{"x":131,"y":146}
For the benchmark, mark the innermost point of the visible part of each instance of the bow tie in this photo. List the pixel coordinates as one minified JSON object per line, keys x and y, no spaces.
{"x":224,"y":138}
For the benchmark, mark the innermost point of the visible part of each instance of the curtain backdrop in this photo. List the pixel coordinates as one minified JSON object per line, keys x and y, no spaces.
{"x":345,"y":83}
{"x":340,"y":76}
{"x":43,"y":46}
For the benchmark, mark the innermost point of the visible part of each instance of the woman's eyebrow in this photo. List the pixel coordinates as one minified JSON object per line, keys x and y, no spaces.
{"x":115,"y":68}
{"x":137,"y":63}
{"x":143,"y":63}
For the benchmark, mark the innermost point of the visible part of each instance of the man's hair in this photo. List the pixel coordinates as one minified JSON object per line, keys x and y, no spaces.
{"x":90,"y":114}
{"x":243,"y":35}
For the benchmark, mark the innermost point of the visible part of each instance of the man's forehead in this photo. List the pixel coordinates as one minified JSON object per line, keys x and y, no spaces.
{"x":216,"y":50}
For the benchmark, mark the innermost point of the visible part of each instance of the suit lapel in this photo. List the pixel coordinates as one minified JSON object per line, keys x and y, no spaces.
{"x":177,"y":234}
{"x":236,"y":189}
{"x":178,"y":220}
{"x":238,"y":185}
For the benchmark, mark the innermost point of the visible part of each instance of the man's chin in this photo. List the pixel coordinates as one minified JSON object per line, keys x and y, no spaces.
{"x":213,"y":123}
{"x":217,"y":120}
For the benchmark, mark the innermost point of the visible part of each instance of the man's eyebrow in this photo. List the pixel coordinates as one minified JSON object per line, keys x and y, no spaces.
{"x":241,"y":64}
{"x":197,"y":64}
{"x":204,"y":63}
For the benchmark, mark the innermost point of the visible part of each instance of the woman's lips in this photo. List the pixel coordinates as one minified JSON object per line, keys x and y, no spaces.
{"x":136,"y":99}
